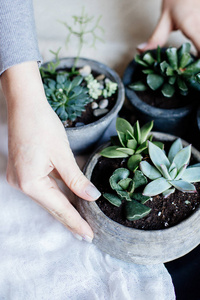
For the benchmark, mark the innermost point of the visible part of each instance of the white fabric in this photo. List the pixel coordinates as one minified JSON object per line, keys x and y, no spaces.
{"x":41,"y":260}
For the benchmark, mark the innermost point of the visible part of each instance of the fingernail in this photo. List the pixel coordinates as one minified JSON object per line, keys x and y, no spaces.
{"x":77,"y":236}
{"x":92,"y":191}
{"x":142,"y":46}
{"x":87,"y":239}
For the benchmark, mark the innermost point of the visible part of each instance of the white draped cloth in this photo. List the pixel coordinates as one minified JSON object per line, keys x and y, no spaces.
{"x":41,"y":260}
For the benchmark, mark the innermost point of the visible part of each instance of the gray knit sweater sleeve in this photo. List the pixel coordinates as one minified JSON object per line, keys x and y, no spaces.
{"x":18,"y":41}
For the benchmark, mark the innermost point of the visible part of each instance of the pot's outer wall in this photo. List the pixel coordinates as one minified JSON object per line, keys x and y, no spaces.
{"x":174,"y":121}
{"x":83,"y":138}
{"x":140,"y":246}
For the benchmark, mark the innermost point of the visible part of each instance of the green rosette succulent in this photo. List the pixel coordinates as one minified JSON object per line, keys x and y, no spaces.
{"x":131,"y":142}
{"x":125,"y":189}
{"x":169,"y":71}
{"x":171,"y":172}
{"x":67,"y":97}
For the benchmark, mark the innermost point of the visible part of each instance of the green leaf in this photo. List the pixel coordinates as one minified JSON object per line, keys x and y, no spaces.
{"x":113,"y":199}
{"x":118,"y":174}
{"x":132,"y":144}
{"x":163,"y":66}
{"x":124,"y":183}
{"x":60,"y":79}
{"x":183,"y":186}
{"x":139,"y":197}
{"x":168,"y":90}
{"x":155,"y":81}
{"x":182,"y":157}
{"x":158,"y":144}
{"x":126,"y":151}
{"x":181,"y":172}
{"x":193,"y":68}
{"x":156,"y":187}
{"x":140,"y":61}
{"x":136,"y":210}
{"x":168,"y":192}
{"x":133,"y":162}
{"x":124,"y":195}
{"x":138,"y":86}
{"x":150,"y":171}
{"x":182,"y":85}
{"x":192,"y":174}
{"x":184,"y":60}
{"x":148,"y":58}
{"x":185,"y":48}
{"x":158,"y":157}
{"x":158,"y":54}
{"x":122,"y":138}
{"x":112,"y":152}
{"x":76,"y":81}
{"x":170,"y":72}
{"x":141,"y":148}
{"x":131,"y":187}
{"x":165,"y":172}
{"x":145,"y":130}
{"x":172,"y":80}
{"x":174,"y":149}
{"x":139,"y":179}
{"x":123,"y":126}
{"x":172,"y":57}
{"x":137,"y":133}
{"x":148,"y":71}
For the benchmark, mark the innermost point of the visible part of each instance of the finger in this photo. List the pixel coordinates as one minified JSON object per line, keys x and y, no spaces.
{"x":74,"y":178}
{"x":160,"y":34}
{"x":46,"y":192}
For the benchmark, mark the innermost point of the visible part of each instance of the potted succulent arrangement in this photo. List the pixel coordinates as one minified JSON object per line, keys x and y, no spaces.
{"x":163,"y":85}
{"x":149,"y":209}
{"x":85,"y":94}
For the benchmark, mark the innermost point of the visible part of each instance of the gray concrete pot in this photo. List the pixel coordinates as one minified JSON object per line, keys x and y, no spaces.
{"x":174,"y":121}
{"x":83,"y":138}
{"x":135,"y":245}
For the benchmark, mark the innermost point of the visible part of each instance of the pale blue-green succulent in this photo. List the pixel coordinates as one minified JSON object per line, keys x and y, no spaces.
{"x":170,"y":172}
{"x":131,"y":142}
{"x":124,"y":188}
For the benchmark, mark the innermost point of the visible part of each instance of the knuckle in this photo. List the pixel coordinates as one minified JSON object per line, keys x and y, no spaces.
{"x":77,"y":181}
{"x":25,"y":185}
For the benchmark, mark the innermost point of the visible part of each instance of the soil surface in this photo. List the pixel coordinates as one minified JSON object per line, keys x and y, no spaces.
{"x":165,"y":212}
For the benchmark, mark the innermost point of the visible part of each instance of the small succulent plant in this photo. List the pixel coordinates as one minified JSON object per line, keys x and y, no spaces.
{"x":169,"y":70}
{"x":109,"y":89}
{"x":124,"y":188}
{"x":131,"y":142}
{"x":170,"y":172}
{"x":67,"y":97}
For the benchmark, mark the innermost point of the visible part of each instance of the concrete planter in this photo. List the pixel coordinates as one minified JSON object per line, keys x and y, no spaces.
{"x":174,"y":121}
{"x":83,"y":138}
{"x":140,"y":246}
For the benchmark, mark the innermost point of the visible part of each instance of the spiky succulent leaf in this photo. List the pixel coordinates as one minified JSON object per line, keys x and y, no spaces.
{"x":155,"y":81}
{"x":150,"y":171}
{"x":182,"y":157}
{"x":145,"y":130}
{"x":138,"y":86}
{"x":183,"y":186}
{"x":168,"y":192}
{"x":192,"y":174}
{"x":112,"y":152}
{"x":174,"y":149}
{"x":158,"y":157}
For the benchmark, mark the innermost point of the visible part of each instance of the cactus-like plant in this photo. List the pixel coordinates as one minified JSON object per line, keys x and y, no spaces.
{"x":67,"y":97}
{"x":170,"y":172}
{"x":124,"y":188}
{"x":131,"y":142}
{"x":169,"y":70}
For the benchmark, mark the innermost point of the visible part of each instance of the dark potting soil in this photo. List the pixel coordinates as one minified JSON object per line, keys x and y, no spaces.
{"x":166,"y":212}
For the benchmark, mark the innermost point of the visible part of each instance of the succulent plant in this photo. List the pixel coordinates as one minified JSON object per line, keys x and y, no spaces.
{"x":131,"y":142}
{"x":169,"y":70}
{"x":124,"y":188}
{"x":67,"y":97}
{"x":170,"y":172}
{"x":96,"y":89}
{"x":110,"y":88}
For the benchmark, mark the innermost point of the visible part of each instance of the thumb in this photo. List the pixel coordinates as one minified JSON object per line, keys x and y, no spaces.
{"x":75,"y":179}
{"x":159,"y":35}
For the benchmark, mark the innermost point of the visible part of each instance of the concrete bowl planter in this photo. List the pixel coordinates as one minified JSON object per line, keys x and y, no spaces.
{"x":135,"y":245}
{"x":83,"y":138}
{"x":174,"y":121}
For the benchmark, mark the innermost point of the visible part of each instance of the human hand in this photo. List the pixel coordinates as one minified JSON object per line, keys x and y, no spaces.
{"x":179,"y":14}
{"x":38,"y":145}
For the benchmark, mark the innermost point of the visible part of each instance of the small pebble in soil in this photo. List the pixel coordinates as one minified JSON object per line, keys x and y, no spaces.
{"x":99,"y":112}
{"x":85,"y":71}
{"x":187,"y":202}
{"x":166,"y":224}
{"x":100,"y":77}
{"x":103,"y":103}
{"x":159,"y":213}
{"x":94,"y":105}
{"x":78,"y":124}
